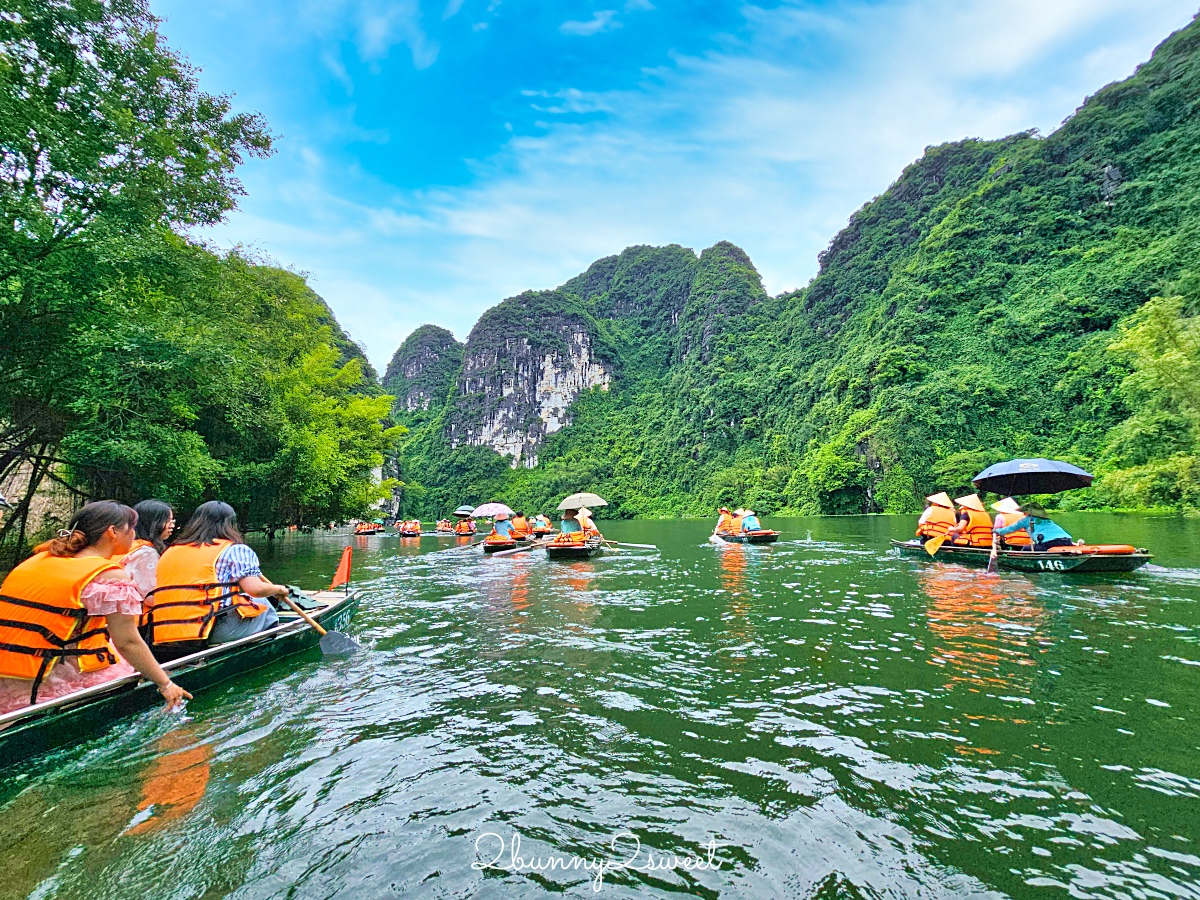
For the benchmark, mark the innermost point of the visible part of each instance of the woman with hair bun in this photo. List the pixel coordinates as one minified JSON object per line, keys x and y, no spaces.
{"x":208,"y":581}
{"x":69,"y":610}
{"x":156,"y":521}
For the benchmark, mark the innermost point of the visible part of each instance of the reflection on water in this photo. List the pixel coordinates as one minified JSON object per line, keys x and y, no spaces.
{"x":986,"y":627}
{"x":841,"y":721}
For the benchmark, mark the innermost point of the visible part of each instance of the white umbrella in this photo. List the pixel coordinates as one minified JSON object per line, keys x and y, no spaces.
{"x":582,"y":499}
{"x":491,"y":509}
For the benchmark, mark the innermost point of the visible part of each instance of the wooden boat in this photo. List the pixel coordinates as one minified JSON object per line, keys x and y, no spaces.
{"x":410,"y":533}
{"x":85,"y":714}
{"x":588,"y":549}
{"x":498,"y":544}
{"x":763,"y":536}
{"x":374,"y":529}
{"x":1077,"y":560}
{"x":542,"y":532}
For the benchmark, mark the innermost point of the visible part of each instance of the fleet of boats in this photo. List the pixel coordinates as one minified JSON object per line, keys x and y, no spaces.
{"x":44,"y":726}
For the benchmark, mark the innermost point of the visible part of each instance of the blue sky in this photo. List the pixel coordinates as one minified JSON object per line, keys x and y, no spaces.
{"x":436,"y":157}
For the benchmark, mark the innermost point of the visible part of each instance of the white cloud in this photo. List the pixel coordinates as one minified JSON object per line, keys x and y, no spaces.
{"x":772,"y":141}
{"x":602,"y":20}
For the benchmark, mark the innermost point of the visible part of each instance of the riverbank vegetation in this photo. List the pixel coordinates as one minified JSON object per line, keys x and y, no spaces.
{"x":1030,"y":296}
{"x":136,"y":361}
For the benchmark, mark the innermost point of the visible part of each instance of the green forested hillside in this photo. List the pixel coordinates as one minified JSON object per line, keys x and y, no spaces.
{"x":1027,"y":296}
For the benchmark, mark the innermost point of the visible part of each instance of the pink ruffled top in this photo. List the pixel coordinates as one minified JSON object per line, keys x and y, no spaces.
{"x":100,"y":598}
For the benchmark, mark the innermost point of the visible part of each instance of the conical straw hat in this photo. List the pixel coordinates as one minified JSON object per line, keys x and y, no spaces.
{"x":942,"y":499}
{"x":1007,"y":505}
{"x":971,"y":501}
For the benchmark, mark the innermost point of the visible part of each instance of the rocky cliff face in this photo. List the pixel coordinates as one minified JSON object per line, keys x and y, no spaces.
{"x":423,"y":369}
{"x":526,"y":361}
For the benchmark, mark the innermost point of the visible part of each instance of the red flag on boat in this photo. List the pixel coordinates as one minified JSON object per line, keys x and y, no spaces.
{"x":342,"y":575}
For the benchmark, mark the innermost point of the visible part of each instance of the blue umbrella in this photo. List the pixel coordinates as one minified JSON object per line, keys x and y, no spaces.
{"x":1031,"y":476}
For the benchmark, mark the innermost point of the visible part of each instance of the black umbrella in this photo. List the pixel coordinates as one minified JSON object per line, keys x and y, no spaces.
{"x":1031,"y":476}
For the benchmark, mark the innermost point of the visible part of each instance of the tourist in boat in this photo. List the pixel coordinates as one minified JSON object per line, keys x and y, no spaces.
{"x":938,"y":517}
{"x":156,"y":521}
{"x":974,"y":525}
{"x":520,"y":525}
{"x":71,"y":614}
{"x":724,"y":521}
{"x":750,"y":521}
{"x":465,"y":527}
{"x":210,"y":585}
{"x":502,"y":527}
{"x":1044,"y":533}
{"x":586,"y":524}
{"x":576,"y":527}
{"x":541,"y":522}
{"x":1008,"y":511}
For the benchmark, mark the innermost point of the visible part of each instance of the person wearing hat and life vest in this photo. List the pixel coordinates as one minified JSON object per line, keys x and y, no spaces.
{"x":156,"y":521}
{"x":1043,"y":532}
{"x":502,"y":526}
{"x":938,"y":517}
{"x":1008,"y":511}
{"x":210,"y":588}
{"x":69,"y":614}
{"x":464,"y":527}
{"x":750,"y":521}
{"x":724,"y":522}
{"x":974,"y":525}
{"x":586,"y":524}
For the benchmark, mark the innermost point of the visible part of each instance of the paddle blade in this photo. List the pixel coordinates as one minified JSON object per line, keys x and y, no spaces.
{"x":334,"y":643}
{"x":933,"y":545}
{"x":342,"y":575}
{"x":993,"y":565}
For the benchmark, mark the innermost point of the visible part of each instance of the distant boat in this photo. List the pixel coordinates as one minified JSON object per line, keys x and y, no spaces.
{"x":763,"y":536}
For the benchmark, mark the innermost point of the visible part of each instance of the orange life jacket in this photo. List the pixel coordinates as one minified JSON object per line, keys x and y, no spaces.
{"x":520,"y":525}
{"x":1016,"y":538}
{"x":725,"y":522}
{"x":571,"y":537}
{"x":936,"y":521}
{"x":735,"y":525}
{"x":978,"y":532}
{"x":188,"y":596}
{"x":466,"y":526}
{"x":43,"y":620}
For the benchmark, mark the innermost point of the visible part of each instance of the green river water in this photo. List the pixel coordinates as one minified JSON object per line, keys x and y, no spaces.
{"x":816,"y":718}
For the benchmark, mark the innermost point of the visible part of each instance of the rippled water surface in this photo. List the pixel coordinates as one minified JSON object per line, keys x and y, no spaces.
{"x":835,"y":720}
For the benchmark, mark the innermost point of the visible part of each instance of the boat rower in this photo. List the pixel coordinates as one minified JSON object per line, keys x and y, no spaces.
{"x":724,"y":521}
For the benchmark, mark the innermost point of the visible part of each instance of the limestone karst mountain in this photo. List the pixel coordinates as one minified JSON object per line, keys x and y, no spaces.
{"x":997,"y":300}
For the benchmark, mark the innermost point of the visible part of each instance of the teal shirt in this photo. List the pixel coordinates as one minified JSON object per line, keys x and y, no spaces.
{"x":751,"y":523}
{"x":570,"y":526}
{"x":1039,"y":530}
{"x":504,"y":528}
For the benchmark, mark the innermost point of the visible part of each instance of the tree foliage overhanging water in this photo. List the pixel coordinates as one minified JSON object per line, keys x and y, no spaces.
{"x":137,"y":362}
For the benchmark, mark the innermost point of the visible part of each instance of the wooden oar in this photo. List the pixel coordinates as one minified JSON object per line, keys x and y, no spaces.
{"x":333,"y":643}
{"x":627,"y":544}
{"x":933,"y":545}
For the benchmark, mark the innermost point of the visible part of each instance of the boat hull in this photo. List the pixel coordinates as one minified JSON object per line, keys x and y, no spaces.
{"x":1029,"y":561}
{"x":586,"y":550}
{"x":497,"y":546}
{"x":750,"y":537}
{"x":87,"y":714}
